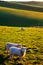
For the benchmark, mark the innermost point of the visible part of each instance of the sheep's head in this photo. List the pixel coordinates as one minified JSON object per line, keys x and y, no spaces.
{"x":23,"y":51}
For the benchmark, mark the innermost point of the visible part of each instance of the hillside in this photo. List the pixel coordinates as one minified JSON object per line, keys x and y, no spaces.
{"x":37,"y":3}
{"x":20,"y":6}
{"x":14,"y":14}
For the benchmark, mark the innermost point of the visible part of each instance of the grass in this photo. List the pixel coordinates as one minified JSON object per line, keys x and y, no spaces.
{"x":32,"y":5}
{"x":8,"y":16}
{"x":17,"y":5}
{"x":32,"y":38}
{"x":25,"y":13}
{"x":26,"y":4}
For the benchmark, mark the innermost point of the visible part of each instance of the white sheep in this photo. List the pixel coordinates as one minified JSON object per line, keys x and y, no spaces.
{"x":8,"y":45}
{"x":22,"y":28}
{"x":14,"y":51}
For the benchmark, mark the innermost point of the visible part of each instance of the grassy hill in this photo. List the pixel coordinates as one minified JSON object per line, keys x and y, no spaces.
{"x":16,"y":14}
{"x":31,"y":38}
{"x":15,"y":20}
{"x":36,"y":3}
{"x":24,"y":15}
{"x":31,"y":3}
{"x":20,"y":6}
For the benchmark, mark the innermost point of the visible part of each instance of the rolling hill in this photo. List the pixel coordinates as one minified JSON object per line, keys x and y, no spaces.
{"x":15,"y":14}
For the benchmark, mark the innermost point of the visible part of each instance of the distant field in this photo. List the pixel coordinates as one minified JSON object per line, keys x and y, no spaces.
{"x":17,"y":17}
{"x":18,"y":5}
{"x":25,"y":13}
{"x":33,"y":3}
{"x":31,"y":38}
{"x":16,"y":14}
{"x":38,"y":5}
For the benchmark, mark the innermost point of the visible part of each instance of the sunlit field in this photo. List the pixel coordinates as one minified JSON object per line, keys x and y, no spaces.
{"x":13,"y":16}
{"x":31,"y":38}
{"x":17,"y":17}
{"x":16,"y":14}
{"x":25,"y":13}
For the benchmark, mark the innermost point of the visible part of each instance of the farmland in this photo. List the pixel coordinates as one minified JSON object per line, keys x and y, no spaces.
{"x":31,"y":38}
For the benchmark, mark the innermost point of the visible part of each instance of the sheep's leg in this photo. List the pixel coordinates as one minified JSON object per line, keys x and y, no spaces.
{"x":11,"y":56}
{"x":6,"y":51}
{"x":20,"y":58}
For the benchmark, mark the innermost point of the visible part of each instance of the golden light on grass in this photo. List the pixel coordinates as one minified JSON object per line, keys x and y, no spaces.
{"x":32,"y":38}
{"x":25,"y":13}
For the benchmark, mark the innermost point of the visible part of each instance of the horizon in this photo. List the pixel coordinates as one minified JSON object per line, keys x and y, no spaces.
{"x":24,"y":0}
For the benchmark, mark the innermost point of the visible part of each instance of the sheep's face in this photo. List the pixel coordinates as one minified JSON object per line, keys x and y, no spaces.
{"x":23,"y":52}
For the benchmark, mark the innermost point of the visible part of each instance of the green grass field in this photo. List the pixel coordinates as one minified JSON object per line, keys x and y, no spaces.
{"x":31,"y":38}
{"x":31,"y":18}
{"x":17,"y":17}
{"x":25,"y":13}
{"x":16,"y":14}
{"x":29,"y":4}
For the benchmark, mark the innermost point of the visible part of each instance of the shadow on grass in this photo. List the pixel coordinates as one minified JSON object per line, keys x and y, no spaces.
{"x":18,"y":6}
{"x":7,"y":19}
{"x":3,"y":59}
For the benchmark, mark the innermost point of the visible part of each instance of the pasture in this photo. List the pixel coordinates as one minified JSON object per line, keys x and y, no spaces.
{"x":31,"y":18}
{"x":25,"y":13}
{"x":22,"y":6}
{"x":31,"y":37}
{"x":39,"y":5}
{"x":20,"y":15}
{"x":20,"y":18}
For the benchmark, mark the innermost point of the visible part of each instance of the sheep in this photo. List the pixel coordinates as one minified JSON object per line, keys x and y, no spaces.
{"x":22,"y":28}
{"x":14,"y":51}
{"x":8,"y":45}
